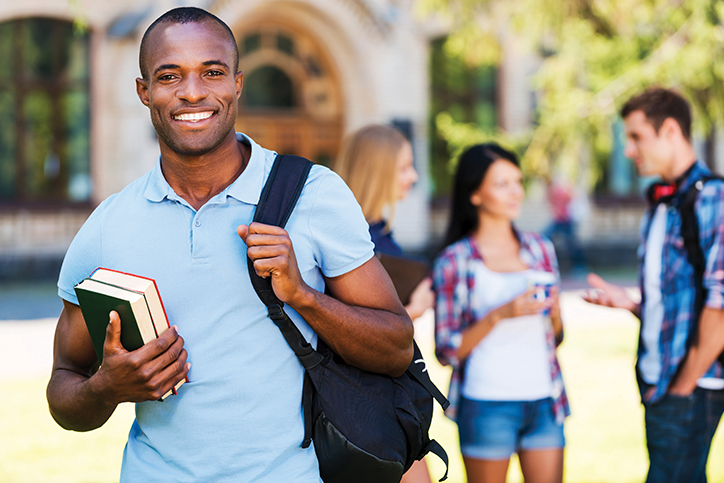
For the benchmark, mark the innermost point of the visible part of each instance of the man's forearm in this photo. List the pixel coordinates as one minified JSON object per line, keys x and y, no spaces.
{"x":73,"y":404}
{"x":708,"y":345}
{"x":372,"y":339}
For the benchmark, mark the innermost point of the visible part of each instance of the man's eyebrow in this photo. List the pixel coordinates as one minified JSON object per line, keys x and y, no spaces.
{"x":165,"y":67}
{"x":216,"y":62}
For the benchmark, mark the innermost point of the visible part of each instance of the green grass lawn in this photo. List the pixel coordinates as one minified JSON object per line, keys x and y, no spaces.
{"x":605,"y":438}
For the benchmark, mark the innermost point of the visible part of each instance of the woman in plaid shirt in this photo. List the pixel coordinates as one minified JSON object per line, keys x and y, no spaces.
{"x":498,"y":325}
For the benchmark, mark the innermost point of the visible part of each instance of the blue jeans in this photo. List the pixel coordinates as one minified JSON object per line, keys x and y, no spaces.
{"x":679,"y":431}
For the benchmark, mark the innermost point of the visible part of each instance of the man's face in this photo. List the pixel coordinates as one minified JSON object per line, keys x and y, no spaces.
{"x":191,"y":90}
{"x":651,"y":152}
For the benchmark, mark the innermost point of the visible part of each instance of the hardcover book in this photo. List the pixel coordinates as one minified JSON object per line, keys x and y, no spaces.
{"x":137,"y":301}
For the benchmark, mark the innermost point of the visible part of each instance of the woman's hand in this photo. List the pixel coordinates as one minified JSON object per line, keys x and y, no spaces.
{"x":526,"y":304}
{"x":421,"y":299}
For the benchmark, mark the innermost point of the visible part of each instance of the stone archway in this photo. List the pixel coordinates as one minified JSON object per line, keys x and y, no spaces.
{"x":292,"y":100}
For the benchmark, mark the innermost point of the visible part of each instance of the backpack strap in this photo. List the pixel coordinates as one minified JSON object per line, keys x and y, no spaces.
{"x":690,"y":235}
{"x":418,"y":370}
{"x":276,"y":203}
{"x":435,"y":448}
{"x":692,"y":244}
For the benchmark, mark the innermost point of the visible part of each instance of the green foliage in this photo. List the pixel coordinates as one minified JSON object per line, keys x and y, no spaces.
{"x":595,"y":55}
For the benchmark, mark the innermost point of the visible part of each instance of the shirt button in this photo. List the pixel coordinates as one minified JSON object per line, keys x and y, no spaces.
{"x":197,"y":223}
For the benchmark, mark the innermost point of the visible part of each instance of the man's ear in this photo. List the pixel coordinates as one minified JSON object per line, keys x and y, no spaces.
{"x":239,"y":79}
{"x":670,"y":128}
{"x":142,"y":90}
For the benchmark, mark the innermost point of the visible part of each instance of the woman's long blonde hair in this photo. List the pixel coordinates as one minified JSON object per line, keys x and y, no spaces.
{"x":368,"y":164}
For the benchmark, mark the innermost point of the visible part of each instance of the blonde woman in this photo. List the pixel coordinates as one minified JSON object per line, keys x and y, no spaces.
{"x":376,"y":162}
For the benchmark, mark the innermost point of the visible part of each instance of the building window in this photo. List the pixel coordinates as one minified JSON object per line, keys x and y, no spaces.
{"x":44,"y":113}
{"x":468,"y":94}
{"x":268,"y":87}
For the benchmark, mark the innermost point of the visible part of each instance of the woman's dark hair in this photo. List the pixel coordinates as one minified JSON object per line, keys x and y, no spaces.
{"x":472,"y":166}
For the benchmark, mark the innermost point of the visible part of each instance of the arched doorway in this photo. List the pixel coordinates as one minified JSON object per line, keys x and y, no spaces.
{"x":291,"y":100}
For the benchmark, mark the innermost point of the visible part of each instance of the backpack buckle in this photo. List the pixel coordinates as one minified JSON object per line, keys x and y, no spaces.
{"x":275,"y":313}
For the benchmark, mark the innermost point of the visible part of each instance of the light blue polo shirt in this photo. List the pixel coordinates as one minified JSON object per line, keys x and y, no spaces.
{"x":239,"y":418}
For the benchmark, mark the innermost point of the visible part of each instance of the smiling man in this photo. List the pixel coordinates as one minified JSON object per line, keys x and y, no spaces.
{"x":187,"y":224}
{"x":681,"y":385}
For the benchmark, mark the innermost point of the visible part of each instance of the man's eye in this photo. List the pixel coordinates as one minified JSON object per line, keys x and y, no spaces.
{"x":165,"y":77}
{"x":215,"y":73}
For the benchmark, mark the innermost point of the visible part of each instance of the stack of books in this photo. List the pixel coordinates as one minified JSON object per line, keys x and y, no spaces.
{"x":134,"y":298}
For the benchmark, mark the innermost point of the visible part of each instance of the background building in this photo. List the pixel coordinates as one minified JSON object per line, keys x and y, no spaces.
{"x":72,"y":130}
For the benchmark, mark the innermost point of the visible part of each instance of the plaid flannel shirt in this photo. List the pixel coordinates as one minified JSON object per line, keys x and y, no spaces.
{"x":454,"y":285}
{"x":677,"y":282}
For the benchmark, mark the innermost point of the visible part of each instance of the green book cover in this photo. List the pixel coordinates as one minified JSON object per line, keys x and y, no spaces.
{"x":98,"y":299}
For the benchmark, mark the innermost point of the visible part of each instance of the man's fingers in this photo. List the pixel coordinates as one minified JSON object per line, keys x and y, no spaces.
{"x":596,"y":281}
{"x":262,"y":229}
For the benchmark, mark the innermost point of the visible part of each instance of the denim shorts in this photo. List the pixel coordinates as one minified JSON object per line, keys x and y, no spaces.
{"x":496,"y":429}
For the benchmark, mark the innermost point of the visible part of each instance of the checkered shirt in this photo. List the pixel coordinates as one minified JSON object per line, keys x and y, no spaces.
{"x":677,"y":282}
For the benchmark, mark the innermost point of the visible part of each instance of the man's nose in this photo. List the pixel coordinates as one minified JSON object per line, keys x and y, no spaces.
{"x":630,"y":150}
{"x":192,"y":90}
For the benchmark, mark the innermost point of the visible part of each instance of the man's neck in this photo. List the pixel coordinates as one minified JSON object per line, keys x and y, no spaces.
{"x":683,"y":160}
{"x":197,"y":179}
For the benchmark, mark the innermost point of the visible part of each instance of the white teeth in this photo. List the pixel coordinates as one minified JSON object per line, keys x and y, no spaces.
{"x":194,"y":116}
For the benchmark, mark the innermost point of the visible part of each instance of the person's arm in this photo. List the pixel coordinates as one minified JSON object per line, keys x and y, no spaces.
{"x":81,"y":399}
{"x":363,"y":321}
{"x":709,"y":342}
{"x":610,"y":295}
{"x":706,"y":348}
{"x":421,"y":299}
{"x":524,"y":304}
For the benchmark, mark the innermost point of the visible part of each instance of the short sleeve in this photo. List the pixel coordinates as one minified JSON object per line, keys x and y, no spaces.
{"x":450,"y":289}
{"x":83,"y":256}
{"x":339,"y":230}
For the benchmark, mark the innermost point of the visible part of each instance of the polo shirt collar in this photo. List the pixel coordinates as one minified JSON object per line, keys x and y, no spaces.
{"x":246,"y":188}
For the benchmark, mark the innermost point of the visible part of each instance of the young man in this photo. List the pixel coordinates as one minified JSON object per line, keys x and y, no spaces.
{"x":186,"y":224}
{"x":680,"y":382}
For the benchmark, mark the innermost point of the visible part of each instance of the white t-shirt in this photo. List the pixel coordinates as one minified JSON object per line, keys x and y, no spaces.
{"x":511,"y":363}
{"x":650,"y":360}
{"x":653,"y":316}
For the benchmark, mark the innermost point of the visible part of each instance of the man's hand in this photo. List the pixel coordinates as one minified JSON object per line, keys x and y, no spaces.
{"x":145,"y":374}
{"x":363,"y":321}
{"x":270,"y":248}
{"x":609,"y":295}
{"x":81,"y":400}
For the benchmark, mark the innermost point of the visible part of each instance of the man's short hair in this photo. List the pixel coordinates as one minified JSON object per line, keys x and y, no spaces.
{"x":184,"y":15}
{"x":658,"y":104}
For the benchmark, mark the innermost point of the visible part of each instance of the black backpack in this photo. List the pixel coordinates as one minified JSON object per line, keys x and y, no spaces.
{"x":694,"y":252}
{"x":366,"y":427}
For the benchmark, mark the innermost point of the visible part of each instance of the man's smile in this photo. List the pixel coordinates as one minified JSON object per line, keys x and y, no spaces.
{"x":193,"y":116}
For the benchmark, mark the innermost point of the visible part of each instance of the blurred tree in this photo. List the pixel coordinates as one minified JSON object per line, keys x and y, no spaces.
{"x":595,"y":55}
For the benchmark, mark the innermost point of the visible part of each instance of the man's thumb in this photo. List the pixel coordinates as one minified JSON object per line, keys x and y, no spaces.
{"x":243,"y":231}
{"x":113,"y":334}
